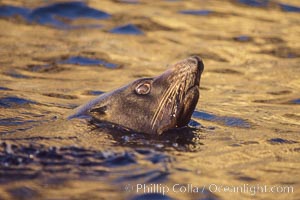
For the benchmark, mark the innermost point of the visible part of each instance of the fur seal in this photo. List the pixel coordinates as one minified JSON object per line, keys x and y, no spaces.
{"x":150,"y":105}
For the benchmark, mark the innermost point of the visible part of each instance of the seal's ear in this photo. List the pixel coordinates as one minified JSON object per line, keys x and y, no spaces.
{"x":101,"y":110}
{"x":143,"y":88}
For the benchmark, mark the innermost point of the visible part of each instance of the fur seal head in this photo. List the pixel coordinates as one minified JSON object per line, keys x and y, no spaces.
{"x":151,"y":105}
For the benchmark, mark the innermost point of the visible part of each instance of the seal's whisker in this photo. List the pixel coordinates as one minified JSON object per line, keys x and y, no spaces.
{"x":153,"y":121}
{"x":162,"y":102}
{"x":171,"y":92}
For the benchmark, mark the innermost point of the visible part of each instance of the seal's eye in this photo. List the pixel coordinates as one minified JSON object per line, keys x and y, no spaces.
{"x":143,"y":88}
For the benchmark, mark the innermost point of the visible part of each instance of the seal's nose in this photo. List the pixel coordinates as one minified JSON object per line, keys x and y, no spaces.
{"x":198,"y":61}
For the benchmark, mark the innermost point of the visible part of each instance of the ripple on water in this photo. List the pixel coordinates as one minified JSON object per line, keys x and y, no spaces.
{"x":15,"y":74}
{"x":289,"y":8}
{"x":11,"y":11}
{"x":93,"y":92}
{"x":242,"y":38}
{"x":87,"y":161}
{"x":275,"y":141}
{"x":118,"y":160}
{"x":265,"y":3}
{"x":143,"y":151}
{"x":255,"y":3}
{"x":128,"y":29}
{"x":158,"y":158}
{"x":23,"y":192}
{"x":160,"y":177}
{"x":282,"y":52}
{"x":69,"y":10}
{"x":60,"y":96}
{"x":296,"y":101}
{"x":11,"y":101}
{"x":129,"y":1}
{"x":204,"y":116}
{"x":48,"y":68}
{"x":152,"y":196}
{"x":5,"y":88}
{"x":227,"y":121}
{"x":147,"y":176}
{"x":194,"y":124}
{"x":14,"y":121}
{"x":79,"y":60}
{"x":51,"y":14}
{"x":246,"y":178}
{"x":196,"y":12}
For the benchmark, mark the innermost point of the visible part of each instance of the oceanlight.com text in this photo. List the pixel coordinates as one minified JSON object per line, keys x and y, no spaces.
{"x":214,"y":188}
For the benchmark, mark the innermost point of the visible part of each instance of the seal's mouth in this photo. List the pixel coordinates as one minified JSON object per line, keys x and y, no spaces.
{"x":180,"y":94}
{"x":190,"y":94}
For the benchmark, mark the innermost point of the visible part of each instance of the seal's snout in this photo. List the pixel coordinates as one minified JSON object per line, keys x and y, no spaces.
{"x":198,"y":62}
